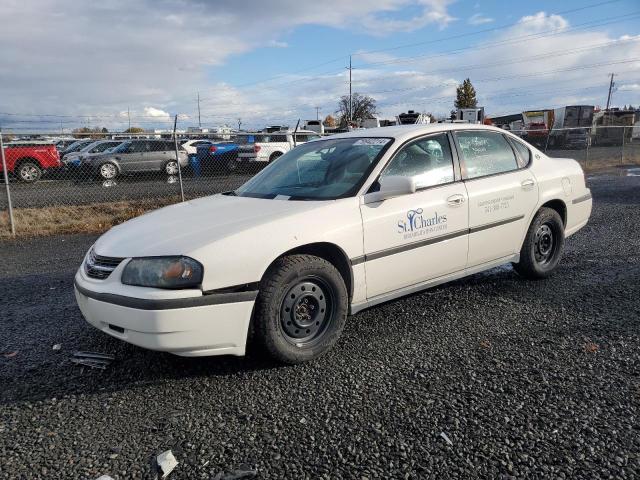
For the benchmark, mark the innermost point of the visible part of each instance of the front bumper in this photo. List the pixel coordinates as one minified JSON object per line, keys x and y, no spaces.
{"x":191,"y":326}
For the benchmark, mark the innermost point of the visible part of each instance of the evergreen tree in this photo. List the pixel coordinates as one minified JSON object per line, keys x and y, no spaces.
{"x":466,"y":95}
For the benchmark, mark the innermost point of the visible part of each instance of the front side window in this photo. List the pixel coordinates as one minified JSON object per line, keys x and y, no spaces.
{"x":428,"y":160}
{"x":322,"y":170}
{"x":485,"y":153}
{"x":103,"y":146}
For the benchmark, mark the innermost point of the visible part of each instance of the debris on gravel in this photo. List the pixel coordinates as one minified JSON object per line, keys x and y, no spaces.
{"x":526,"y":378}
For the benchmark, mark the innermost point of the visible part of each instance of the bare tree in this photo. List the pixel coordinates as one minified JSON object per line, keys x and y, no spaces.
{"x":363,"y":106}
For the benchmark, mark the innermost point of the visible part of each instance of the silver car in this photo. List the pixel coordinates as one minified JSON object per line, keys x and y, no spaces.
{"x":94,"y":148}
{"x":134,"y":156}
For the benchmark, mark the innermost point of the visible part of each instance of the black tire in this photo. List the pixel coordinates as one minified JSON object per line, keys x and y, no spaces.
{"x":301,"y":309}
{"x":275,"y":156}
{"x":231,"y":165}
{"x":29,"y":171}
{"x":108,"y":171}
{"x":543,"y":245}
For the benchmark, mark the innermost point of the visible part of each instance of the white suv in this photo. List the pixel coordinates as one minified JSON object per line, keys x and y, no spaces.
{"x":268,"y":147}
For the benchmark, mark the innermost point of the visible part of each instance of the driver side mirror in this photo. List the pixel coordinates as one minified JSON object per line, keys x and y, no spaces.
{"x":392,"y":186}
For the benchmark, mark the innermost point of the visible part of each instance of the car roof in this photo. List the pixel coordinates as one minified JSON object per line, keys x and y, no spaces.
{"x":406,"y":132}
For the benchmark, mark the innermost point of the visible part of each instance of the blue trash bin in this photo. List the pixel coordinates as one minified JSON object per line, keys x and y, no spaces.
{"x":195,"y":164}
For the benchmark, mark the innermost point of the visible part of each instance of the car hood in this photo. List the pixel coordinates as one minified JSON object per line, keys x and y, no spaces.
{"x":184,"y":227}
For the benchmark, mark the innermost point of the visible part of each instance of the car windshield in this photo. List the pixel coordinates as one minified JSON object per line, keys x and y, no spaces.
{"x":320,"y":170}
{"x":76,"y":146}
{"x":121,"y":148}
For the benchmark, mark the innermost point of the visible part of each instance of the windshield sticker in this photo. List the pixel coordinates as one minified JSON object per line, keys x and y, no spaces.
{"x":417,"y":224}
{"x":372,"y":141}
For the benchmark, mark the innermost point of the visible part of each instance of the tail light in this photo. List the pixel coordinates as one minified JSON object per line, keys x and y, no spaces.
{"x":213,"y":149}
{"x":256,"y":148}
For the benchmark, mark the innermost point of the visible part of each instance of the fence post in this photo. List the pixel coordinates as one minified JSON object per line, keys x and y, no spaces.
{"x":175,"y":141}
{"x":624,"y":131}
{"x":586,"y":161}
{"x":6,"y":184}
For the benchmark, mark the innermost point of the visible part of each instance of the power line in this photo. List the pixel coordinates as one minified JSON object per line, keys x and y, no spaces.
{"x":512,"y":40}
{"x":443,"y":39}
{"x":485,"y":30}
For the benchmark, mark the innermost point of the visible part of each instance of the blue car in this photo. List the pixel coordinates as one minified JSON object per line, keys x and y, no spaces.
{"x":216,"y":157}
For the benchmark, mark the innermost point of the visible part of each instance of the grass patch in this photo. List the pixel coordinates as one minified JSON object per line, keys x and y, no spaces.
{"x":93,"y":218}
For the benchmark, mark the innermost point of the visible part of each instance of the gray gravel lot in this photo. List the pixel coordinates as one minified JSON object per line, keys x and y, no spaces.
{"x":527,"y":379}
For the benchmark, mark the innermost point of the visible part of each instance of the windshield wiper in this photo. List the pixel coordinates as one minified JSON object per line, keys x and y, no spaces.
{"x":300,"y":185}
{"x":230,"y":193}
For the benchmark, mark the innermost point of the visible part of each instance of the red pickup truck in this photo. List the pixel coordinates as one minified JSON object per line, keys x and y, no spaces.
{"x":28,"y":160}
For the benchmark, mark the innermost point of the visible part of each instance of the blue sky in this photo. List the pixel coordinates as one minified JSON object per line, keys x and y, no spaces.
{"x":89,"y":62}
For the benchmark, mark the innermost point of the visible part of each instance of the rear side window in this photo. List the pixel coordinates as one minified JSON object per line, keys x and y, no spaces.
{"x":485,"y":153}
{"x":524,"y":154}
{"x":278,"y":138}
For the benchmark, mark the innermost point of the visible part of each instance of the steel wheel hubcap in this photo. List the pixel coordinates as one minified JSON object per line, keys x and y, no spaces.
{"x":172,"y":168}
{"x":108,"y":171}
{"x":544,"y":244}
{"x":29,"y":172}
{"x":306,"y":311}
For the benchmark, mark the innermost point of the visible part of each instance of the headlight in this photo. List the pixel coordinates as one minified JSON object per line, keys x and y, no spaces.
{"x":163,"y":272}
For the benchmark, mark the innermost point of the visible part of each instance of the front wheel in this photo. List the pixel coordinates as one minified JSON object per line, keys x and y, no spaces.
{"x":543,"y":245}
{"x":302,"y":308}
{"x":29,"y":172}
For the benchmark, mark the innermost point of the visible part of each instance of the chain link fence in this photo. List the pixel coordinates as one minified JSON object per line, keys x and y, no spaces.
{"x":64,"y":184}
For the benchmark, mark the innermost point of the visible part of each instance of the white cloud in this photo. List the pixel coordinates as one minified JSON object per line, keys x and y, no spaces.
{"x":155,"y":112}
{"x":479,"y":19}
{"x":277,"y":44}
{"x":100,"y":58}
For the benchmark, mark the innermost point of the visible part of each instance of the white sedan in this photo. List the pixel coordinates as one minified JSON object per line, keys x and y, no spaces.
{"x":332,"y":227}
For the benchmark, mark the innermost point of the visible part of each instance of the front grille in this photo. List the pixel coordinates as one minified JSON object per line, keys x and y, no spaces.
{"x":99,"y":267}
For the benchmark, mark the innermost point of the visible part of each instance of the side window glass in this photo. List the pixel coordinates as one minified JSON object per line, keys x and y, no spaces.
{"x":428,"y":159}
{"x":524,"y":153}
{"x":485,"y":153}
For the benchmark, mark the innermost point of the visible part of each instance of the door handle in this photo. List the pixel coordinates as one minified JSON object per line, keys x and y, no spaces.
{"x":527,"y":184}
{"x":455,"y":200}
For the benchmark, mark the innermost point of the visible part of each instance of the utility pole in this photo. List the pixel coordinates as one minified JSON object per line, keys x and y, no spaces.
{"x":199,"y":123}
{"x":317,"y":113}
{"x":350,"y":104}
{"x":611,"y":84}
{"x":129,"y":117}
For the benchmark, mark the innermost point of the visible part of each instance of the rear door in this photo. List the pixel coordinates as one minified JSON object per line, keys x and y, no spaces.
{"x":502,"y":194}
{"x":133,"y":159}
{"x":420,"y":236}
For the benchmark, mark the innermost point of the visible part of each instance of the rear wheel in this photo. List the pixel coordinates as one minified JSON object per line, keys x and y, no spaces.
{"x":108,"y":171}
{"x":543,"y":245}
{"x":171,"y":167}
{"x":274,"y":156}
{"x":29,"y":171}
{"x":231,"y":165}
{"x":302,"y":308}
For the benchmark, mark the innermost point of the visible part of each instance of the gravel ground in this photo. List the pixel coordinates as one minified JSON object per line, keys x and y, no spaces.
{"x":525,"y":379}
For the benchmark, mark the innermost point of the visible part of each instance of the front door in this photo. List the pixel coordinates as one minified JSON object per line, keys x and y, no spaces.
{"x":419,"y":236}
{"x":502,"y":194}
